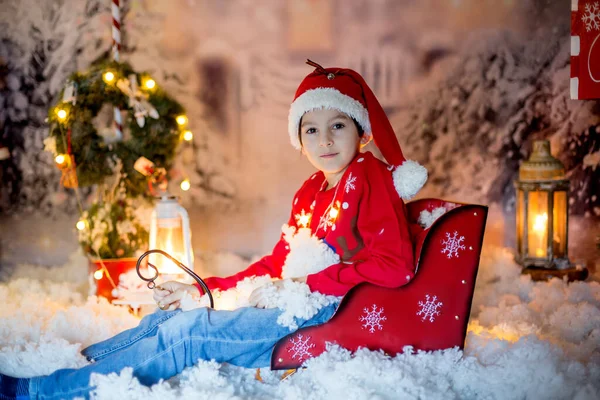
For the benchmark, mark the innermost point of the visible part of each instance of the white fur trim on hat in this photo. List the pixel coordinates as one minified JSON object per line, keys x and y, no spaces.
{"x":409,"y":178}
{"x":328,"y":98}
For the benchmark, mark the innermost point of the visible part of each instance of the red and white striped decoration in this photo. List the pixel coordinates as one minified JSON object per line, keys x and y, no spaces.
{"x":116,"y":29}
{"x":116,"y":49}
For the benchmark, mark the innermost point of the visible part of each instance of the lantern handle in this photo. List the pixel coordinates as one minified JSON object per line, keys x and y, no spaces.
{"x":152,"y":285}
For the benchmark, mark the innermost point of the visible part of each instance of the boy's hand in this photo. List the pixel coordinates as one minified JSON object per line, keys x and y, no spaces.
{"x":169,"y":294}
{"x":259,"y":296}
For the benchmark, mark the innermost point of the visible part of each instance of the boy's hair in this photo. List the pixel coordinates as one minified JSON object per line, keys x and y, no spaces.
{"x":359,"y":128}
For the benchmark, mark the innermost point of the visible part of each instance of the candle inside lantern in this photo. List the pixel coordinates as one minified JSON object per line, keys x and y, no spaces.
{"x":539,"y":234}
{"x":170,"y":232}
{"x":170,"y":239}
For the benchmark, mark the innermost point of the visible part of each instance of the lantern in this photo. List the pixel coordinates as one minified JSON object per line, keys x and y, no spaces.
{"x":542,"y":216}
{"x":170,"y":232}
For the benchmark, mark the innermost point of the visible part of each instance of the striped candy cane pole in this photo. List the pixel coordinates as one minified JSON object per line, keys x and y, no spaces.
{"x":116,"y":48}
{"x":116,"y":29}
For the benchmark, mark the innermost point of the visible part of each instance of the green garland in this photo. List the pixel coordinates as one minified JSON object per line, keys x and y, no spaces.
{"x":111,"y":228}
{"x":94,"y":158}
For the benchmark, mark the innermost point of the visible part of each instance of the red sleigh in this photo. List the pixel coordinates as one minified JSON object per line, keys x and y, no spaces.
{"x":429,"y":313}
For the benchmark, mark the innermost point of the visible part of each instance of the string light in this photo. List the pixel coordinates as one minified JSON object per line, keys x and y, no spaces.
{"x":62,"y":114}
{"x":181,"y":119}
{"x":185,"y":185}
{"x":303,"y":219}
{"x":333,"y":213}
{"x":150,"y":84}
{"x":80,"y":224}
{"x":60,"y":159}
{"x":98,"y":274}
{"x":188,"y":136}
{"x":108,"y":77}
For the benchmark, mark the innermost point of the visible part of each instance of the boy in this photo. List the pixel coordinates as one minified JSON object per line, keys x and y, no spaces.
{"x":353,"y":207}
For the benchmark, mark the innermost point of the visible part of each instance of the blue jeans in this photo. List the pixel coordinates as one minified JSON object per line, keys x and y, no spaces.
{"x":166,"y":342}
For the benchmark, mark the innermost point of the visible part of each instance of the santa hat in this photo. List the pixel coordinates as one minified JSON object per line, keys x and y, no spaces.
{"x":345,"y":90}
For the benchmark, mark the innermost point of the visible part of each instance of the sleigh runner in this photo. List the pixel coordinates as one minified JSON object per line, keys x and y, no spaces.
{"x":429,"y":313}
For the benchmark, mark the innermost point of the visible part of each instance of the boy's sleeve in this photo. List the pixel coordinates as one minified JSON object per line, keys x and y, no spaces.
{"x":382,"y":225}
{"x":268,"y":265}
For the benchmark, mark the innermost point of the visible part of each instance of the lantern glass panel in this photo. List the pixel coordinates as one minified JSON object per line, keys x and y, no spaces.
{"x":520,"y":219}
{"x":169,"y":238}
{"x":537,"y":224}
{"x":559,"y":242}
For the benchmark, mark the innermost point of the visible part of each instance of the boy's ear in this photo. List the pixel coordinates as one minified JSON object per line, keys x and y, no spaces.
{"x":365,"y":140}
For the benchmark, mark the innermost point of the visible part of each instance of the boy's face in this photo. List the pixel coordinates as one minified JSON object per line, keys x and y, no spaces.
{"x":330,"y":140}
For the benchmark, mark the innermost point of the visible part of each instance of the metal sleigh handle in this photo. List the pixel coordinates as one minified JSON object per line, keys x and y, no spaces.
{"x":152,"y":285}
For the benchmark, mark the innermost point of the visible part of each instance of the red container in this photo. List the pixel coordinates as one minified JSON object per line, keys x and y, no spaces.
{"x":115,"y":267}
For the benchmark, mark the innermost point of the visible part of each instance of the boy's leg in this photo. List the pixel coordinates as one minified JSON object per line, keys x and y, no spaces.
{"x":147,"y":327}
{"x":243,"y":337}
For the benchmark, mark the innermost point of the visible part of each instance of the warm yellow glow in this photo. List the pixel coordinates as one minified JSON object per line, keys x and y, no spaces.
{"x":185,"y":185}
{"x":303,"y":219}
{"x":80,"y":224}
{"x":60,"y":159}
{"x":170,"y":240}
{"x":150,"y":84}
{"x":188,"y":135}
{"x":182,"y":120}
{"x":541,"y":221}
{"x":109,"y":77}
{"x":502,"y":332}
{"x":539,"y":231}
{"x":98,"y":274}
{"x":62,"y":114}
{"x":333,"y":213}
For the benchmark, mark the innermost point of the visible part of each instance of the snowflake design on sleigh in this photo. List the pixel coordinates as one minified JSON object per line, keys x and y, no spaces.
{"x":373,"y":318}
{"x":429,"y":309}
{"x":452,"y":244}
{"x":300,"y":347}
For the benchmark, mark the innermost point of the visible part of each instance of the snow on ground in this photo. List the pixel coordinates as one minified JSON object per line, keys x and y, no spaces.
{"x":534,"y":340}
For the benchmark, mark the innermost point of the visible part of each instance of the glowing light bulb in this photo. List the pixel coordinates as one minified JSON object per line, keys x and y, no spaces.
{"x":181,"y":119}
{"x":80,"y":224}
{"x":62,"y":114}
{"x":185,"y":185}
{"x":303,"y":219}
{"x":109,"y":77}
{"x":60,"y":159}
{"x":333,"y":213}
{"x":150,"y":84}
{"x":188,"y":136}
{"x":98,"y":274}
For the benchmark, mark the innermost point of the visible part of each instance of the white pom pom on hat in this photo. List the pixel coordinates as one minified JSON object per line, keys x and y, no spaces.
{"x":346,"y":90}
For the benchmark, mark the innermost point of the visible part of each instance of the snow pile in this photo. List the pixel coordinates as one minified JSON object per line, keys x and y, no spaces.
{"x":44,"y":325}
{"x":295,"y":299}
{"x":525,"y":340}
{"x":427,"y":218}
{"x":308,"y":254}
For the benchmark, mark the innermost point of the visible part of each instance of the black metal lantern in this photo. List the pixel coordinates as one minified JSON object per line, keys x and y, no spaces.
{"x":543,"y":216}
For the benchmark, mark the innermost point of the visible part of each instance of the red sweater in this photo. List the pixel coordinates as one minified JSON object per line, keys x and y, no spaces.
{"x":370,"y":233}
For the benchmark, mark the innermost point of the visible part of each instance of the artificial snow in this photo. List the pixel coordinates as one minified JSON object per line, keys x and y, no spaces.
{"x":294,"y":298}
{"x":308,"y":254}
{"x":427,"y":218}
{"x":534,"y":340}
